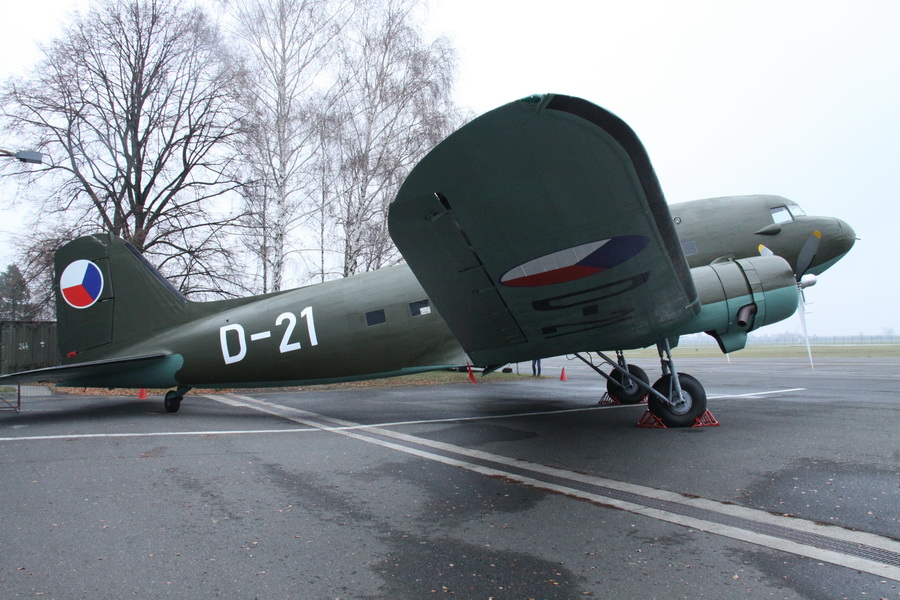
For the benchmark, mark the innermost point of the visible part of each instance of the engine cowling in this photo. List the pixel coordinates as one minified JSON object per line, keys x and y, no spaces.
{"x":738,"y":296}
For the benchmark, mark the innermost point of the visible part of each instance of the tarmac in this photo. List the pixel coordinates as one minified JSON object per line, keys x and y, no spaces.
{"x":515,"y":489}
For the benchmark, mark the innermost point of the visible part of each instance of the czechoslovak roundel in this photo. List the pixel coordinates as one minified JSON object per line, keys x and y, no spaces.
{"x":575,"y":263}
{"x":81,"y":284}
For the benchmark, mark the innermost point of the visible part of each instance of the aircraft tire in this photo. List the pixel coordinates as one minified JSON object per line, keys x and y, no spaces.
{"x":627,"y":392}
{"x":172,"y":401}
{"x":692,"y":406}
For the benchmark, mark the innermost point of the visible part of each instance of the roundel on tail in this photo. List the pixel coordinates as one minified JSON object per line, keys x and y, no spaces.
{"x":81,"y":284}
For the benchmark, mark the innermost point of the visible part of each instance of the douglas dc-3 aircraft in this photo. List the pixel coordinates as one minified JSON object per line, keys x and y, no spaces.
{"x":538,"y":229}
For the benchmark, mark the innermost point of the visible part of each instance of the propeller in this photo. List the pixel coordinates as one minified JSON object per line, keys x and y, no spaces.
{"x":807,"y":254}
{"x":804,"y":280}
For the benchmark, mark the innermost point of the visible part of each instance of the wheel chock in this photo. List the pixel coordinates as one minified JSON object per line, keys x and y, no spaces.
{"x":608,"y":400}
{"x":705,"y":420}
{"x":650,"y":420}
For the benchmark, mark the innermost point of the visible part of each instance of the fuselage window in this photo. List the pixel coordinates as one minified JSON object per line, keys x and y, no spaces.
{"x":420,"y":307}
{"x":375,"y":317}
{"x":781,"y":215}
{"x":689,"y":248}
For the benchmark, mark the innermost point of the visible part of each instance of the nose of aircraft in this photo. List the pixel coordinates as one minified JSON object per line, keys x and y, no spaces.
{"x":837,"y":239}
{"x":848,"y":235}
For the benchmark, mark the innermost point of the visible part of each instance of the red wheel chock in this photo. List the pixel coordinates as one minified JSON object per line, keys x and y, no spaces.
{"x":705,"y":420}
{"x":608,"y":400}
{"x":650,"y":420}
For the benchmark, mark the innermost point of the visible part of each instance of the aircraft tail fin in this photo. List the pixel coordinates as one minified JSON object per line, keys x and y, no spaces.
{"x":108,"y":295}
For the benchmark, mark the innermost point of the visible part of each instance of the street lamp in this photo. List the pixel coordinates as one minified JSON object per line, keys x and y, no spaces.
{"x":24,"y":156}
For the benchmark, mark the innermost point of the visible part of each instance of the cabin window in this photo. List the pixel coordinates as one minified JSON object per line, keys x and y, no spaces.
{"x":796,"y":210}
{"x":375,"y":317}
{"x":781,"y":215}
{"x":419,"y":307}
{"x":689,"y":248}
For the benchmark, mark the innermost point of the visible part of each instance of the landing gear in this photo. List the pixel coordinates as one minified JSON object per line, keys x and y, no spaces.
{"x":626,"y":383}
{"x":679,"y":399}
{"x":172,"y":400}
{"x":681,"y":410}
{"x":624,"y":388}
{"x":676,"y":399}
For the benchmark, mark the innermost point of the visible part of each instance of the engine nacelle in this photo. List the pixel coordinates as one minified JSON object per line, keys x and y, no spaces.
{"x":740,"y":296}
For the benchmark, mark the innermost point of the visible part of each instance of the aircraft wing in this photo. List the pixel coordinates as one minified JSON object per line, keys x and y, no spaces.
{"x":540,"y":229}
{"x":158,"y":369}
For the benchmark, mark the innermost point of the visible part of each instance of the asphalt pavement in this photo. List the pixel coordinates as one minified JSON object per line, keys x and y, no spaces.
{"x":515,"y":489}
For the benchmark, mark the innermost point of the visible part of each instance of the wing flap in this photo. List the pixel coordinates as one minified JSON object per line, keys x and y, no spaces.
{"x":464,"y":280}
{"x":540,"y":228}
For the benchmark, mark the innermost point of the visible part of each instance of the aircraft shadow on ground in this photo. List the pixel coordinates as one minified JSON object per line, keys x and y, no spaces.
{"x":114,"y":409}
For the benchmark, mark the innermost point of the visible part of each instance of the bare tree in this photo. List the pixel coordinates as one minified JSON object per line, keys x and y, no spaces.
{"x":36,"y":259}
{"x":134,"y":103}
{"x":290,"y":43}
{"x":395,"y":105}
{"x":15,"y":297}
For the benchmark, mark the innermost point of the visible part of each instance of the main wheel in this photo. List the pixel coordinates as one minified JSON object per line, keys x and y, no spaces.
{"x":172,"y":401}
{"x":624,"y":389}
{"x":686,"y":409}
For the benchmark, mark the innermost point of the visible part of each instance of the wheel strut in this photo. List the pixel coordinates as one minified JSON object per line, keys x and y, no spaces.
{"x":668,"y":368}
{"x":676,"y":399}
{"x":681,"y":400}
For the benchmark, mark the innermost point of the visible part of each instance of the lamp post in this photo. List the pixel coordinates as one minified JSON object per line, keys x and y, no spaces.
{"x":24,"y":156}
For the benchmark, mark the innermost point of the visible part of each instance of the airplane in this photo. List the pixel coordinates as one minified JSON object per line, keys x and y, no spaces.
{"x":538,"y":229}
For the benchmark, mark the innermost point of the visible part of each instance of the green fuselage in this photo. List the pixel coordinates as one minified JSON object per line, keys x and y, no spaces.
{"x":735,"y":226}
{"x":376,"y":324}
{"x":381,"y":323}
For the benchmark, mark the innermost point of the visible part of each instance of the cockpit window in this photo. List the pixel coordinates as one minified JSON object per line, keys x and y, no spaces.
{"x":786,"y":214}
{"x":781,"y":215}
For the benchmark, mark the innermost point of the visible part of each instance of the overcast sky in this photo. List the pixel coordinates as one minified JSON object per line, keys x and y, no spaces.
{"x":798,"y":98}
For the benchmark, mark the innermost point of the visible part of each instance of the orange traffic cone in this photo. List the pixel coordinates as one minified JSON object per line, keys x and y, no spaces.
{"x":142,"y":395}
{"x":471,"y":375}
{"x":562,"y":376}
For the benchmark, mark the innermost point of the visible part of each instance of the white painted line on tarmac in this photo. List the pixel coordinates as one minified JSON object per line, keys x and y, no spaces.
{"x":240,"y":401}
{"x":364,"y":433}
{"x":79,"y":436}
{"x":515,"y":469}
{"x":755,"y":394}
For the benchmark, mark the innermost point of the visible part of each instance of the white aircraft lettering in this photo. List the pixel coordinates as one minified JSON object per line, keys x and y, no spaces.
{"x":232,"y":355}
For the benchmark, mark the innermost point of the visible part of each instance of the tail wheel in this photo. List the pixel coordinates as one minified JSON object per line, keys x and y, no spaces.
{"x":624,"y":389}
{"x":683,"y":411}
{"x":172,"y":401}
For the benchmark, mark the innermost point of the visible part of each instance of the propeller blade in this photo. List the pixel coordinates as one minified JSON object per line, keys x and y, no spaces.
{"x":804,"y":261}
{"x":801,"y":309}
{"x":808,"y":253}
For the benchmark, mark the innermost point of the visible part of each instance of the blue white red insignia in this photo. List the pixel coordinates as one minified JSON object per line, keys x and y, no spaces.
{"x":575,"y":263}
{"x":81,"y":284}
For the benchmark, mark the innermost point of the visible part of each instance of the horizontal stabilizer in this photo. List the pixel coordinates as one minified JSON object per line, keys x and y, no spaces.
{"x":152,"y":370}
